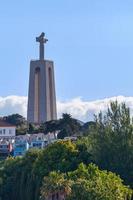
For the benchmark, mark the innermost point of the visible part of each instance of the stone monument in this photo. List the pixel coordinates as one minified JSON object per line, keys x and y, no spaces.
{"x":41,"y":96}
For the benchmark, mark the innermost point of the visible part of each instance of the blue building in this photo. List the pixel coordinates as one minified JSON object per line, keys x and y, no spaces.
{"x":38,"y":141}
{"x":20,"y":148}
{"x":39,"y":144}
{"x":25,"y":142}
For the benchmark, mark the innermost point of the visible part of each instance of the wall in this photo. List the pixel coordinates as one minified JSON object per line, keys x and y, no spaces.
{"x":7,"y":131}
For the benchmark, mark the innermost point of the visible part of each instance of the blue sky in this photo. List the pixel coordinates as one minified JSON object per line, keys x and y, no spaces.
{"x":90,"y":41}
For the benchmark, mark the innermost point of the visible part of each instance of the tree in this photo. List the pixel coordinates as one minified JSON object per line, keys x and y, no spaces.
{"x":22,"y":177}
{"x":90,"y":183}
{"x":61,"y":155}
{"x":55,"y":187}
{"x":88,"y":127}
{"x":84,"y":149}
{"x":68,"y":126}
{"x":112,"y":141}
{"x":15,"y":119}
{"x":31,"y":128}
{"x":51,"y":127}
{"x":85,"y":183}
{"x":18,"y":181}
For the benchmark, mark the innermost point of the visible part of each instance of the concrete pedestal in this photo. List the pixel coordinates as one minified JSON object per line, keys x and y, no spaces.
{"x":41,"y":97}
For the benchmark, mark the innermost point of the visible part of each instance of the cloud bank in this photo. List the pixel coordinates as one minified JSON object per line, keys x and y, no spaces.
{"x":13,"y":104}
{"x":77,"y":107}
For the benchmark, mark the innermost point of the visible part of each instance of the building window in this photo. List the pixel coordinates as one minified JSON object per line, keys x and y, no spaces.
{"x":4,"y":131}
{"x":0,"y":132}
{"x":10,"y":131}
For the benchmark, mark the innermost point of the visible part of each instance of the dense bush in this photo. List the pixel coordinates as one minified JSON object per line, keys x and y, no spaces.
{"x":85,"y":183}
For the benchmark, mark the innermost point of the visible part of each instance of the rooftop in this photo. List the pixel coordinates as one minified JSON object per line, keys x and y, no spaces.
{"x":5,"y":124}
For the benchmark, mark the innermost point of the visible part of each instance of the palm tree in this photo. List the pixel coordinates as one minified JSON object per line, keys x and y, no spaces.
{"x":55,"y":187}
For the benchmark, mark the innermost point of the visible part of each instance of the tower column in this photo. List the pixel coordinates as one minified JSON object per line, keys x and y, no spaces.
{"x":41,"y":97}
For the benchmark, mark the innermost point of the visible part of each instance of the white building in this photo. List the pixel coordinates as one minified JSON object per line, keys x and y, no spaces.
{"x":7,"y":130}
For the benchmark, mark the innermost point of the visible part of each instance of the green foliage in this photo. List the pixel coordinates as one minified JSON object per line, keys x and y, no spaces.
{"x":15,"y":119}
{"x":112,"y":142}
{"x":84,"y":148}
{"x":55,"y":185}
{"x":51,"y":126}
{"x":88,"y":127}
{"x":18,"y":182}
{"x":68,"y":126}
{"x":108,"y":144}
{"x":60,"y":156}
{"x":31,"y":128}
{"x":85,"y":183}
{"x":92,"y":183}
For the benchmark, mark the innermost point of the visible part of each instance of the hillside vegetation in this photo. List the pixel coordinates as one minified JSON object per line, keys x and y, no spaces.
{"x":99,"y":166}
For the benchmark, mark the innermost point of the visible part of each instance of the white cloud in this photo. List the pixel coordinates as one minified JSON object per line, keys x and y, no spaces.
{"x":13,"y":104}
{"x":85,"y":110}
{"x":78,"y":108}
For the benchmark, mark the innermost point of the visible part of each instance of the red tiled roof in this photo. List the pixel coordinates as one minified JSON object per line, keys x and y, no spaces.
{"x":5,"y":124}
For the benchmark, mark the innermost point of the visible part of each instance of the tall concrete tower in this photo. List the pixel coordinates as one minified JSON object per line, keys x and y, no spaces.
{"x":41,"y":97}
